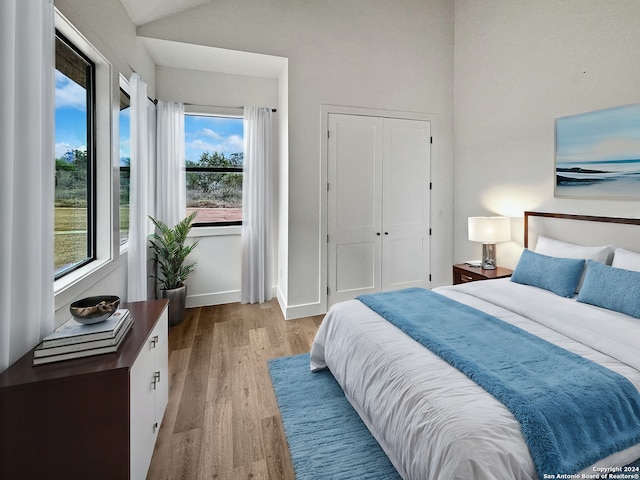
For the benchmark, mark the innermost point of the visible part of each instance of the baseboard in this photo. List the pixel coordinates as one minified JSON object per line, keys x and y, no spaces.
{"x":305,"y":310}
{"x":218,"y":298}
{"x":282,"y":300}
{"x":291,"y":312}
{"x":207,"y":299}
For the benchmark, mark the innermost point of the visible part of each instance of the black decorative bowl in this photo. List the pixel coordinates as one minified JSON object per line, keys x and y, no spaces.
{"x":94,"y":309}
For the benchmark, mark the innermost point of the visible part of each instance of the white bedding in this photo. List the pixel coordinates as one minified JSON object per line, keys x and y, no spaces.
{"x":431,"y":420}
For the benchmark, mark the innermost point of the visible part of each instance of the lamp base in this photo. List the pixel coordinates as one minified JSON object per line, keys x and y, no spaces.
{"x":488,"y":256}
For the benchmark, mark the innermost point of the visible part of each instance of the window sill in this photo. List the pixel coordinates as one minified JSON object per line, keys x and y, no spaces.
{"x":215,"y":231}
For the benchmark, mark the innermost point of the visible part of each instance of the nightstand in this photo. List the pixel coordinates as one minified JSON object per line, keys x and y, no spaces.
{"x":463,"y":273}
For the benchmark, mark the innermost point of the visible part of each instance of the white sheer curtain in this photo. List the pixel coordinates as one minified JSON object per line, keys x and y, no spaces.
{"x":170,"y":173}
{"x":140,"y":185}
{"x":257,"y":207}
{"x":27,"y":180}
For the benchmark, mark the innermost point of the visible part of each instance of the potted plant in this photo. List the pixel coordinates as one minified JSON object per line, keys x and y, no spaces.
{"x":170,"y":254}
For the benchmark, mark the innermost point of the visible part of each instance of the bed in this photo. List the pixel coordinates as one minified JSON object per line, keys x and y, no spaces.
{"x":434,"y":422}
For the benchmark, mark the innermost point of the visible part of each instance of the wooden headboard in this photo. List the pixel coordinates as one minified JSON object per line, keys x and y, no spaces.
{"x":620,"y":231}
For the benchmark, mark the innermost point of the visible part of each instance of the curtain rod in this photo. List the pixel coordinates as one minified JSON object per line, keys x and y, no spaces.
{"x":274,"y":110}
{"x":155,"y":102}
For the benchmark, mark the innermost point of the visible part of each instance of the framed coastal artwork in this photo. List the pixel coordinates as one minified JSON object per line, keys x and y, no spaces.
{"x":598,"y":154}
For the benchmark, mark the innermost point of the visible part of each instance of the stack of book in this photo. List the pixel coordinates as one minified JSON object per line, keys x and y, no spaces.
{"x":75,"y":340}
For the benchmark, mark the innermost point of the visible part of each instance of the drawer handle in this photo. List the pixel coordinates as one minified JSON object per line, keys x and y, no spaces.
{"x":156,"y":379}
{"x":466,"y":278}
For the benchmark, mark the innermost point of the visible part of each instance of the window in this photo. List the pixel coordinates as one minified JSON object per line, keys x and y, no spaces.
{"x":84,"y":244}
{"x":214,"y":159}
{"x":74,"y":207}
{"x":124,"y":161}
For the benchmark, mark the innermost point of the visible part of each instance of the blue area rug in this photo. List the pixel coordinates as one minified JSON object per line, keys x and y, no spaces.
{"x":327,"y":439}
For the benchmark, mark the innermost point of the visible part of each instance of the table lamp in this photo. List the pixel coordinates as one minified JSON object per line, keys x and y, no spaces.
{"x":489,"y":231}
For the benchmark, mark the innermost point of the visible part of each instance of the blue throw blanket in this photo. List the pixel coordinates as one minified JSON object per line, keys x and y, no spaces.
{"x":572,"y":411}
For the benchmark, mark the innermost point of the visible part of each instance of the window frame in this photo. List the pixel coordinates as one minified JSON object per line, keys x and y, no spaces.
{"x":220,"y":112}
{"x":91,"y":158}
{"x":125,"y":88}
{"x":68,"y":287}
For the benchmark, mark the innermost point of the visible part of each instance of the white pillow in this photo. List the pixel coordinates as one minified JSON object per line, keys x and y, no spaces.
{"x":626,"y":259}
{"x":557,"y":248}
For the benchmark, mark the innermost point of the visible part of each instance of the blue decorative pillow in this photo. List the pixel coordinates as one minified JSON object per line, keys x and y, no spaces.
{"x":558,"y":275}
{"x":611,"y":288}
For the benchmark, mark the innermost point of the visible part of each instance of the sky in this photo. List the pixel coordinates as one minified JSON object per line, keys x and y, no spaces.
{"x":125,"y":150}
{"x":611,"y":134}
{"x":71,"y":108}
{"x":209,"y":134}
{"x":202,"y":133}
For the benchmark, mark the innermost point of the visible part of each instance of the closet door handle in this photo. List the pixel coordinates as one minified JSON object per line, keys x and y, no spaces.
{"x":386,"y":233}
{"x":378,"y":233}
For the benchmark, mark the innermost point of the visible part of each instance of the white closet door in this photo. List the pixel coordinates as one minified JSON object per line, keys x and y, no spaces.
{"x":378,"y":205}
{"x":354,"y":205}
{"x":405,"y":200}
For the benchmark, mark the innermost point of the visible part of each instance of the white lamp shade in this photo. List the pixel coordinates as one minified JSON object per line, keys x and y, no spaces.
{"x":489,"y":229}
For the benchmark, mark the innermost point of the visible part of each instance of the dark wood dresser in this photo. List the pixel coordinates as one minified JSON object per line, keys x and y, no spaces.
{"x":88,"y":418}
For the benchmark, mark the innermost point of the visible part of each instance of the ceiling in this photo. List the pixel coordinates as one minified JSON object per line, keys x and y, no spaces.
{"x":210,"y":59}
{"x":197,"y":57}
{"x":145,"y":11}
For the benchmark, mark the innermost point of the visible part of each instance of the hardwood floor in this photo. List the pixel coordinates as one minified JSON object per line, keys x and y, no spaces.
{"x":222,"y":421}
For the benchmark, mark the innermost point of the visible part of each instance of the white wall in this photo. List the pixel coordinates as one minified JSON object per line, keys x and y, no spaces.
{"x":215,"y":89}
{"x":282,"y":268}
{"x":216,"y":278}
{"x":518,"y":66}
{"x":365,"y":53}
